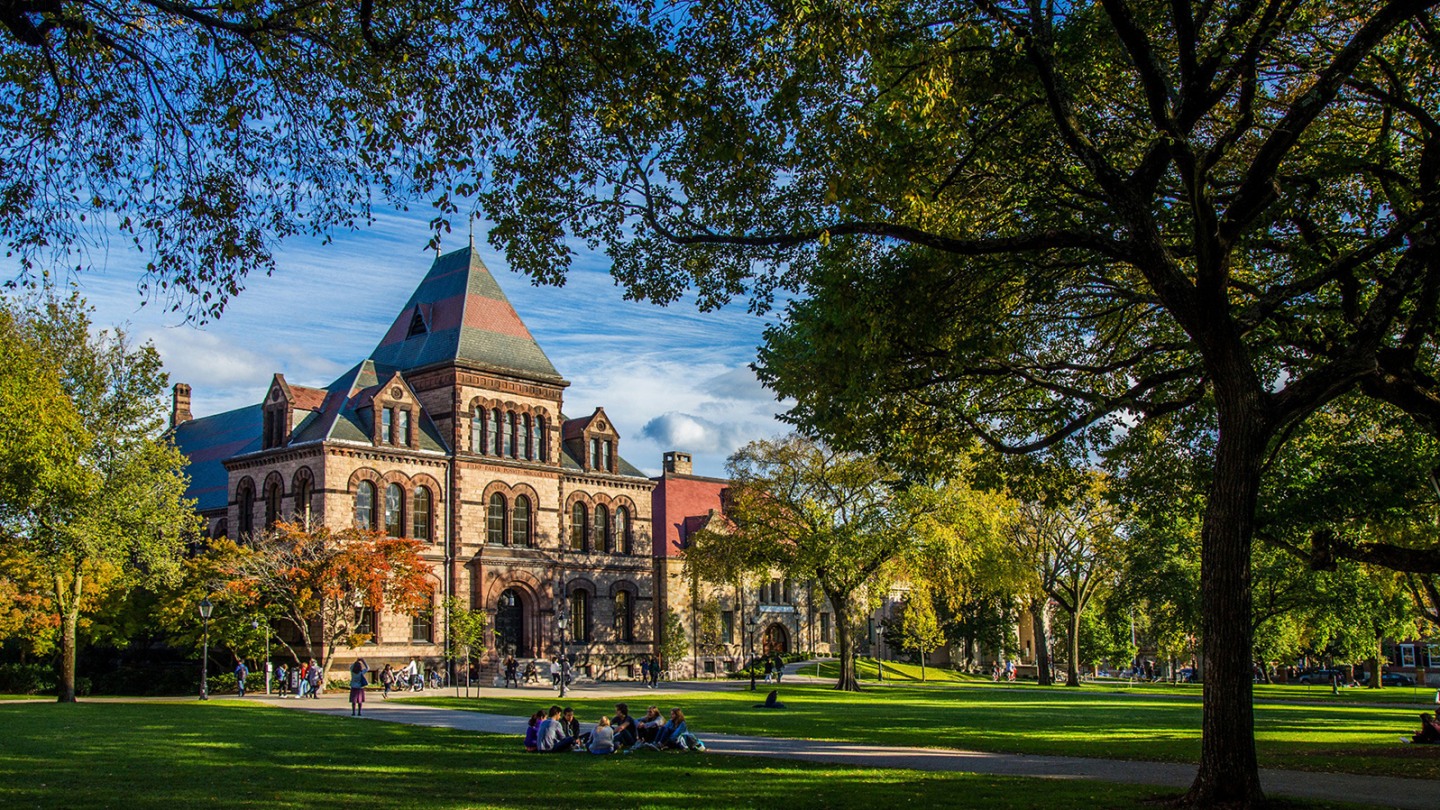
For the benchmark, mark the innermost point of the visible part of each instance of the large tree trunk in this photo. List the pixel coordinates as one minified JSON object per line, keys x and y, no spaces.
{"x":68,"y":600}
{"x":1072,"y":667}
{"x":1229,"y":774}
{"x":846,"y":634}
{"x":1040,"y":628}
{"x":1375,"y":682}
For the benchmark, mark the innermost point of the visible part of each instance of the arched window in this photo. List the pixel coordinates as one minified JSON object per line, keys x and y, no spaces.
{"x":624,"y":619}
{"x":420,"y":515}
{"x":395,"y":511}
{"x":512,"y":433}
{"x":496,"y":520}
{"x":245,"y":501}
{"x":774,"y":591}
{"x":622,"y":531}
{"x":477,"y":430}
{"x":304,"y":493}
{"x":507,"y":435}
{"x":365,"y":506}
{"x":580,"y":617}
{"x":577,"y":527}
{"x":520,"y":522}
{"x":603,"y":538}
{"x":494,"y":429}
{"x":529,"y":437}
{"x":539,"y":428}
{"x":272,"y":503}
{"x":787,"y":593}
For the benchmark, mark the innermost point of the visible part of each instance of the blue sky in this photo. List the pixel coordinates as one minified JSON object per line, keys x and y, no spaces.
{"x":671,"y":378}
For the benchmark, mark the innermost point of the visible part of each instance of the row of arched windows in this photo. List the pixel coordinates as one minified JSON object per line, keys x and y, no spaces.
{"x":303,"y":490}
{"x":508,"y":434}
{"x":623,"y":616}
{"x":600,"y":532}
{"x":521,"y":528}
{"x":391,"y":512}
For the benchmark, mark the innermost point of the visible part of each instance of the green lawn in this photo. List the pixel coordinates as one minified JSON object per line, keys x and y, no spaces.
{"x":168,"y":755}
{"x":1034,"y":720}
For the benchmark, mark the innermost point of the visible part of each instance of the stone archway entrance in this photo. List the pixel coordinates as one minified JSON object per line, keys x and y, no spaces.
{"x":776,"y":640}
{"x":510,"y":624}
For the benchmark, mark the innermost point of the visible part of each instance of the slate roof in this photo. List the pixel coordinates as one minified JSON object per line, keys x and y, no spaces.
{"x":467,"y":319}
{"x":346,"y":417}
{"x":569,"y":462}
{"x":207,"y":442}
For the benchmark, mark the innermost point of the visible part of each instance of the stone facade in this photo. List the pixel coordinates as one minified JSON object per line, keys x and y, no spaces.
{"x":453,"y":433}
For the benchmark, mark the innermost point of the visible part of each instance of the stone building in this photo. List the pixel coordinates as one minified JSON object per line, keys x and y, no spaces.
{"x":452,"y":432}
{"x":725,"y":624}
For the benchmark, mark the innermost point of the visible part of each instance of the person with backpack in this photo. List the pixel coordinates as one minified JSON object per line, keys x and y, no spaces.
{"x":282,"y":680}
{"x":387,"y":681}
{"x":313,"y":678}
{"x":241,"y":672}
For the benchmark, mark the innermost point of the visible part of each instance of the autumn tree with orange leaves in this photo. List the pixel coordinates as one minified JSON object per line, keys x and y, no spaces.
{"x":316,"y":581}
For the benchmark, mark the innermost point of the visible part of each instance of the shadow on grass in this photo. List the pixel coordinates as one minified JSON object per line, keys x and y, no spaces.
{"x":169,"y":755}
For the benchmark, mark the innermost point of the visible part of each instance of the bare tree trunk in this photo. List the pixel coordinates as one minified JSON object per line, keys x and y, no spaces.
{"x":1229,"y":773}
{"x":841,"y":602}
{"x":1072,"y":667}
{"x":1375,"y":682}
{"x":1040,"y":627}
{"x":68,"y":598}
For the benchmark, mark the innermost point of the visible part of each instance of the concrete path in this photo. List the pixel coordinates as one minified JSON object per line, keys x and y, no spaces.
{"x":1376,"y":791}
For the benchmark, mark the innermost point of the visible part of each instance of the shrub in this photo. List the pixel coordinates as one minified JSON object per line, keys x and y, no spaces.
{"x":29,"y":679}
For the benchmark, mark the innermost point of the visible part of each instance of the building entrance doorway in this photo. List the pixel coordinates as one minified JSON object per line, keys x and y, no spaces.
{"x":510,"y":624}
{"x":776,"y":640}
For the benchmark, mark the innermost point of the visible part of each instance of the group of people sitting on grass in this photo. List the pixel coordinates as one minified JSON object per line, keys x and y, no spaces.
{"x":557,"y":730}
{"x":1429,"y":730}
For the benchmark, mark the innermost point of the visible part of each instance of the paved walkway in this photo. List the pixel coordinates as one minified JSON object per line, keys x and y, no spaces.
{"x":1378,"y":791}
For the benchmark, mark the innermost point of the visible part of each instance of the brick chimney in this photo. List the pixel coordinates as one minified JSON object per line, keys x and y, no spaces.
{"x":180,"y":405}
{"x":678,"y":463}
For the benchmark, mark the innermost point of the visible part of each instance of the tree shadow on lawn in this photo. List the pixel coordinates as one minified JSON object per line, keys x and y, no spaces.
{"x":168,"y":755}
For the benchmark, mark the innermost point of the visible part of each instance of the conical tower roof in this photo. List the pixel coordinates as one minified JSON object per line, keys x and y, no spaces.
{"x":458,"y":314}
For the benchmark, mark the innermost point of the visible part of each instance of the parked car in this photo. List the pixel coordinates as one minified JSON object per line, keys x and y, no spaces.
{"x":1320,"y":675}
{"x":1391,"y":679}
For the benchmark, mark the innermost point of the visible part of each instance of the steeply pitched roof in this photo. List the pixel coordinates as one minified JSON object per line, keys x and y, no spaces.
{"x":207,"y":442}
{"x":342,"y":417}
{"x":462,"y":316}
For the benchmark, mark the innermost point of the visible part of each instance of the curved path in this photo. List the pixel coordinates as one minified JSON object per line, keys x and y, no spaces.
{"x":1375,"y":791}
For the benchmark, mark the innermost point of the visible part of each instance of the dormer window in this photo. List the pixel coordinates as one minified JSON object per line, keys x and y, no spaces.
{"x":417,"y":324}
{"x":387,"y":425}
{"x":607,"y":458}
{"x":594,"y":453}
{"x":403,"y":427}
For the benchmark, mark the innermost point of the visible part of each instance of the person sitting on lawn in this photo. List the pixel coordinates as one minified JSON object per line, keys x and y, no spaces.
{"x":648,"y":728}
{"x":671,"y":732}
{"x":532,"y":734}
{"x":551,"y":738}
{"x":1429,"y":730}
{"x":572,"y":726}
{"x":603,"y":740}
{"x":624,"y":726}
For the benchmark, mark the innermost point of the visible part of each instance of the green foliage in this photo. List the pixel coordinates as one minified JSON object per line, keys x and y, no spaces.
{"x":919,"y":629}
{"x":469,"y":629}
{"x":203,"y":133}
{"x":676,"y":647}
{"x":114,"y":515}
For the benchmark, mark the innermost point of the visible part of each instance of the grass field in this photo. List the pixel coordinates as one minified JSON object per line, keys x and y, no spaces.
{"x":1034,"y":720}
{"x":168,"y":755}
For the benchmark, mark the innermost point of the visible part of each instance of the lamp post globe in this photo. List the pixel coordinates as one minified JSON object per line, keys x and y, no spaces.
{"x":206,"y":607}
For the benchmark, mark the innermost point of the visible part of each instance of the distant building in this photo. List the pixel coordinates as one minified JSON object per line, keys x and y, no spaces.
{"x":451,"y":432}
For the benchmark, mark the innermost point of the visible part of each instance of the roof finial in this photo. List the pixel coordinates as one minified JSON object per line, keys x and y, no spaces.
{"x":472,"y":232}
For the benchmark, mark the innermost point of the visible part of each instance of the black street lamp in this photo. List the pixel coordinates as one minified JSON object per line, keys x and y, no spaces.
{"x":562,"y":621}
{"x":205,"y":608}
{"x":754,"y":624}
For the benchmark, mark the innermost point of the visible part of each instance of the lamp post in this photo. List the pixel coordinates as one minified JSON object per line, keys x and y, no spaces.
{"x":255,"y":624}
{"x":753,"y":623}
{"x":562,"y":621}
{"x":205,"y":608}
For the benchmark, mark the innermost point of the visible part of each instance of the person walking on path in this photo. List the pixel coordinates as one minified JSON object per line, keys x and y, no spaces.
{"x":769,"y":668}
{"x":241,"y":672}
{"x":282,"y":680}
{"x":358,"y":670}
{"x":387,"y":680}
{"x":313,"y":679}
{"x":654,"y":673}
{"x":779,"y":667}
